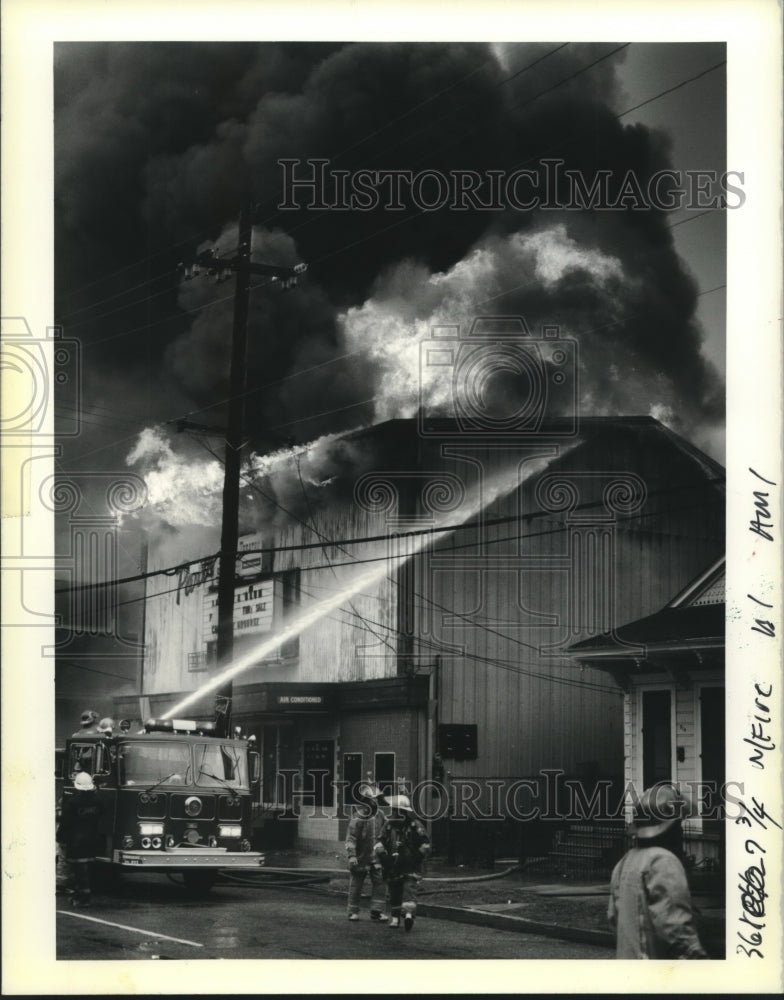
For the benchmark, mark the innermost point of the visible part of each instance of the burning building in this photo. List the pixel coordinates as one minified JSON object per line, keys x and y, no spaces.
{"x":407,"y":608}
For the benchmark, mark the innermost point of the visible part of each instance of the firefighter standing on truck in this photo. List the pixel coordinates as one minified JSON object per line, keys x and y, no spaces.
{"x":88,"y":723}
{"x":401,"y":849}
{"x":78,"y":834}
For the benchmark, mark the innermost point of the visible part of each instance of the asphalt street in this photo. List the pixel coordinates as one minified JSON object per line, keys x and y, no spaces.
{"x":152,"y":918}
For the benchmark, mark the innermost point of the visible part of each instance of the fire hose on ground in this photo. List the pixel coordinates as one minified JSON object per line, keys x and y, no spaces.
{"x":308,"y":877}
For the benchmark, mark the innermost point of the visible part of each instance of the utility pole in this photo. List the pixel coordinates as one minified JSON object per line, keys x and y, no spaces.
{"x":242,"y":265}
{"x":232,"y":463}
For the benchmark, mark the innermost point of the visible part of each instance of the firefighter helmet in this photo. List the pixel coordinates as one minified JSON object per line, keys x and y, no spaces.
{"x":88,"y":717}
{"x":368,"y":792}
{"x":84,"y":782}
{"x":401,"y":802}
{"x":660,"y":808}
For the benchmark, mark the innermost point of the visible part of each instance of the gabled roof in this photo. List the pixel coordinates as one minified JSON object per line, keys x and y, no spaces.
{"x":707,"y":588}
{"x":400,"y":439}
{"x":688,"y":632}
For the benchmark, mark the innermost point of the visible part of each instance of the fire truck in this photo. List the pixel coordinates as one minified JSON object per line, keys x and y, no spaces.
{"x":177,"y":798}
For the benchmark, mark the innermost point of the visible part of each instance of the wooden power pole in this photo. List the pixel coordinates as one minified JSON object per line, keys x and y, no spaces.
{"x":242,"y":265}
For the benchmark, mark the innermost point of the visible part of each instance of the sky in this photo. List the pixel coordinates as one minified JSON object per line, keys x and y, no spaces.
{"x":158,"y":144}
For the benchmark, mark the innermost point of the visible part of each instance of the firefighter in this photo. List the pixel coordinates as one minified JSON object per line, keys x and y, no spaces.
{"x":401,"y":849}
{"x":106,"y":727}
{"x":89,"y":724}
{"x":364,"y":829}
{"x":78,"y":834}
{"x":650,"y":906}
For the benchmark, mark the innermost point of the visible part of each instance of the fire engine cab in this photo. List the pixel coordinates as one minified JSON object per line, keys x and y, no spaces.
{"x":177,"y":798}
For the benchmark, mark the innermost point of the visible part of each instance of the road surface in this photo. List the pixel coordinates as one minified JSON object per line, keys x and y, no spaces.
{"x":151,"y":917}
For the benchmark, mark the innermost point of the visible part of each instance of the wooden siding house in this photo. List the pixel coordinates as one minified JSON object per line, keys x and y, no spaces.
{"x":672,"y":674}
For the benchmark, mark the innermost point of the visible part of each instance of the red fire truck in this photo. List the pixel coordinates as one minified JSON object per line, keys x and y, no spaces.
{"x":177,"y":798}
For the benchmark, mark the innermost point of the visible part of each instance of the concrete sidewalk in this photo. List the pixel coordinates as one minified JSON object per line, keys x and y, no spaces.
{"x":531,"y":900}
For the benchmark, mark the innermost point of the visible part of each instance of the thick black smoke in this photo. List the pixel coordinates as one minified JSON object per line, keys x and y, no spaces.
{"x":157,"y":145}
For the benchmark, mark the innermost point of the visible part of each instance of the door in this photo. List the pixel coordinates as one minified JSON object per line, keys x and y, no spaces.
{"x":656,"y":737}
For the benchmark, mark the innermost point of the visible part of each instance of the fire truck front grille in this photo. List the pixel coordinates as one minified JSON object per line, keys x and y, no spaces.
{"x":177,"y":809}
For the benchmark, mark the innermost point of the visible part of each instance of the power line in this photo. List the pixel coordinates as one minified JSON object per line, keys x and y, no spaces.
{"x":126,"y":305}
{"x":490,"y":661}
{"x":388,"y":536}
{"x":92,"y":670}
{"x":670,"y":90}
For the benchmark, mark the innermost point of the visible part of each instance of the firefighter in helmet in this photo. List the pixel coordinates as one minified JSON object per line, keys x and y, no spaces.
{"x":363,"y":832}
{"x":89,"y":724}
{"x":78,"y":834}
{"x":401,"y":849}
{"x":650,"y":906}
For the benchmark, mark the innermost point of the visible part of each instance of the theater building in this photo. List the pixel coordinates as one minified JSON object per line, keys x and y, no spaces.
{"x":418,"y":621}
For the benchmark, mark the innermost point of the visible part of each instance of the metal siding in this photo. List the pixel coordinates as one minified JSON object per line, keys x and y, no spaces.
{"x":559,"y":724}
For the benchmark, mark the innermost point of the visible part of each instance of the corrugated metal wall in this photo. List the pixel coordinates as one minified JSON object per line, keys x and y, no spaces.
{"x":537,"y":710}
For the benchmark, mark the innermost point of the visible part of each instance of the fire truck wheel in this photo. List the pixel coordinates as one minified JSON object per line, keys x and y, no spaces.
{"x":199,"y":883}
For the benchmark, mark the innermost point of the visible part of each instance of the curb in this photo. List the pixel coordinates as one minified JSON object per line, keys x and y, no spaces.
{"x":499,"y":921}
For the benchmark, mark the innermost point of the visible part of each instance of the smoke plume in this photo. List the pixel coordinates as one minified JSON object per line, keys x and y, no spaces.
{"x":157,"y":145}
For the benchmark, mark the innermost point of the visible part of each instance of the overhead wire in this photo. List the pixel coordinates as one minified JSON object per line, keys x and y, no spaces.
{"x":416,"y":532}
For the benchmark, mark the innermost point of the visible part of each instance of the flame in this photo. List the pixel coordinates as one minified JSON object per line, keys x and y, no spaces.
{"x":409,"y":301}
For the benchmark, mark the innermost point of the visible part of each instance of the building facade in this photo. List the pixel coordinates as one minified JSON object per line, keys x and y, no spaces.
{"x":413,"y":620}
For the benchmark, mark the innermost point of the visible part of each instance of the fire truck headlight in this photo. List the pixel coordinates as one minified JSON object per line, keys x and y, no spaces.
{"x":156,"y":842}
{"x":229,"y":831}
{"x":150,"y":829}
{"x":146,"y":842}
{"x":193,"y":805}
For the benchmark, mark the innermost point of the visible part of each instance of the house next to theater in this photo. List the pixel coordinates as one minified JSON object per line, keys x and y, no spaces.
{"x":672,"y":675}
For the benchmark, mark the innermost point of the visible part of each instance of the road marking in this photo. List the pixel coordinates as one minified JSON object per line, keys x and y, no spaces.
{"x":136,"y":930}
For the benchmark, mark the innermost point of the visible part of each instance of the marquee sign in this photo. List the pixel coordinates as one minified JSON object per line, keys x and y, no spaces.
{"x":252,"y":610}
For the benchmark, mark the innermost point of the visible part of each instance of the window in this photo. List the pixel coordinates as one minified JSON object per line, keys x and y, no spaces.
{"x":352,"y":775}
{"x":85,"y":757}
{"x":385,"y":772}
{"x":656,"y":737}
{"x":151,"y":763}
{"x":318,"y":770}
{"x":220,"y":764}
{"x":197,"y":661}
